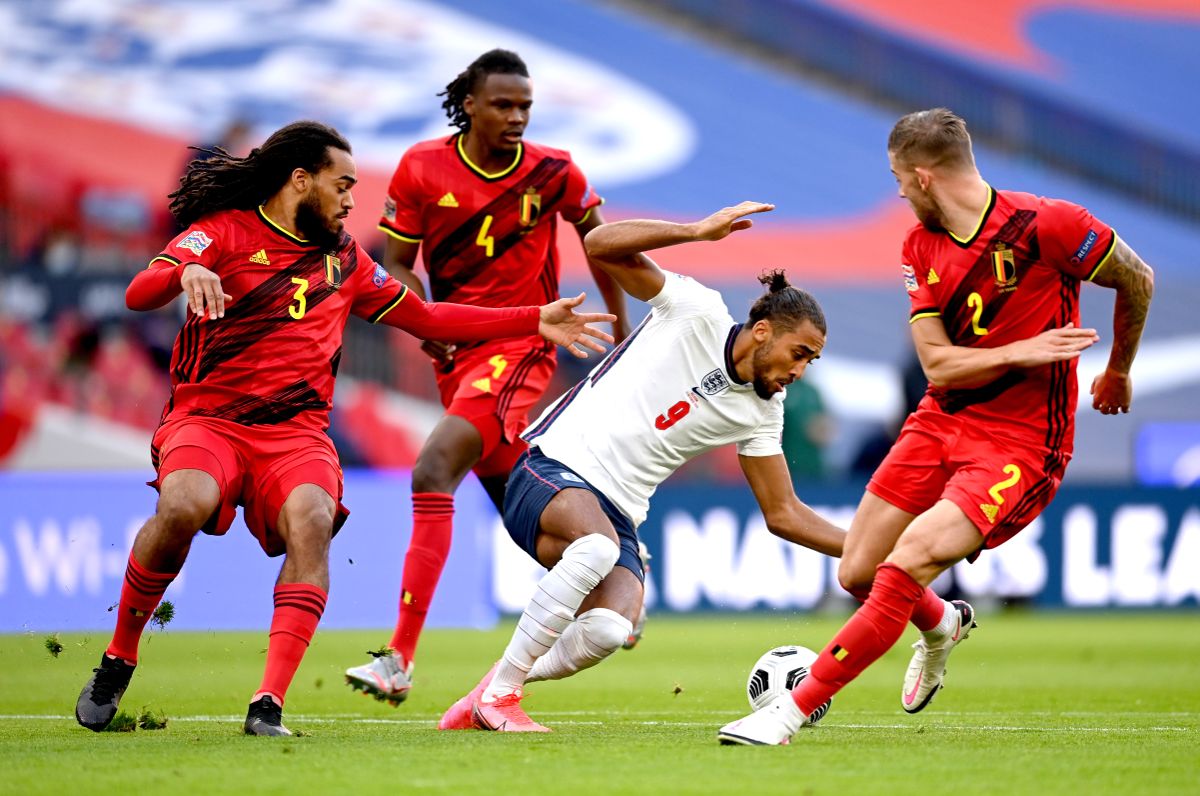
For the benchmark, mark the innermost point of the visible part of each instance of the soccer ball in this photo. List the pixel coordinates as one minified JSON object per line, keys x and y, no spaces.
{"x":777,"y":672}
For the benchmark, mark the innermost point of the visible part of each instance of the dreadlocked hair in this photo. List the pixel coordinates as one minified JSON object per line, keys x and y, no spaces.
{"x":226,"y":182}
{"x":785,"y":306}
{"x":492,"y":62}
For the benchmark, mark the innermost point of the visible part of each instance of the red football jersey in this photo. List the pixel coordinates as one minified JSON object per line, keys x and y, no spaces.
{"x":274,"y":356}
{"x":486,"y":239}
{"x":1015,"y":277}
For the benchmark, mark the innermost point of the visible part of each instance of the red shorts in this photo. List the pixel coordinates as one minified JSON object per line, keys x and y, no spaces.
{"x":1001,"y":483}
{"x":493,"y":386}
{"x":254,"y":466}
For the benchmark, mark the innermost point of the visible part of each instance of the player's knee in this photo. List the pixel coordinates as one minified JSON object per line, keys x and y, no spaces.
{"x":855,"y":580}
{"x":180,"y":514}
{"x":596,"y":553}
{"x":604,"y":630}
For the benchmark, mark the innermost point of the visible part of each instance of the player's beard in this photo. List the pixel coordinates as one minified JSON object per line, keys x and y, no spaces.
{"x":760,"y":364}
{"x":313,"y":226}
{"x":929,"y":214}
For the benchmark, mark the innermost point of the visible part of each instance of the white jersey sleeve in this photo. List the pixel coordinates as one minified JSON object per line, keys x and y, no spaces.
{"x":682,"y":297}
{"x":768,"y":437}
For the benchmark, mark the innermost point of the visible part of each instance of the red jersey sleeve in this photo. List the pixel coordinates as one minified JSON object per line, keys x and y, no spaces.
{"x":402,"y":207}
{"x":382,"y":299}
{"x":157,"y":285}
{"x":916,"y":281}
{"x":580,"y":197}
{"x":1072,"y":239}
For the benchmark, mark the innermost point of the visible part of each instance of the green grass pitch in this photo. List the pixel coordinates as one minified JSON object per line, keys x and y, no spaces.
{"x":1035,"y":703}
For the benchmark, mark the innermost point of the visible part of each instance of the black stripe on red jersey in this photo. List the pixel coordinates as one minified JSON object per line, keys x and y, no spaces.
{"x":1108,"y":250}
{"x":391,"y":305}
{"x":268,"y":410}
{"x":505,"y":397}
{"x":983,"y":219}
{"x":407,"y":237}
{"x":261,"y":311}
{"x":187,"y":349}
{"x":954,"y":401}
{"x":335,"y":361}
{"x":958,"y":315}
{"x":1058,"y":408}
{"x":166,"y":258}
{"x":461,"y":246}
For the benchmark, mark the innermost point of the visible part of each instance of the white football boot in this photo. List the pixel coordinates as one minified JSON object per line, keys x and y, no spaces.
{"x":386,"y":678}
{"x":928,"y":666}
{"x":772,"y":725}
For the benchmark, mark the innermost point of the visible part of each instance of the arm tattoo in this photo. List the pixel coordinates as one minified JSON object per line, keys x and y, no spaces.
{"x":1133,"y":280}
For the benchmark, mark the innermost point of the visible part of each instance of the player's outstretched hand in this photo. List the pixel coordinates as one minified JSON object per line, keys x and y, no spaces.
{"x":1112,"y":392}
{"x":560,"y":324}
{"x":1052,"y":345}
{"x":441,"y":353}
{"x":731,"y":219}
{"x":203,"y":290}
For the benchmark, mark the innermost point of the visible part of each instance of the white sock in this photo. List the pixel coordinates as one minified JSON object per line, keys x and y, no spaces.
{"x":590,"y":639}
{"x":944,"y":627}
{"x":560,"y":592}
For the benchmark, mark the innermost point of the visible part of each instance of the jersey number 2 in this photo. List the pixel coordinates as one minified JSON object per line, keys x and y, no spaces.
{"x":975,"y":302}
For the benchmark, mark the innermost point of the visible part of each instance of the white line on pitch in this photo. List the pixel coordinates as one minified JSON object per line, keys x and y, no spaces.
{"x":299,"y":719}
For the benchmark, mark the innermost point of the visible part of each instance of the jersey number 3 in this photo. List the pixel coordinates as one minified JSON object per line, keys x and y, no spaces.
{"x":672,"y":415}
{"x":297,"y":310}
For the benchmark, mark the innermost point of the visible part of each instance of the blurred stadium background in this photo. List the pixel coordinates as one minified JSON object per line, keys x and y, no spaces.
{"x":673,"y":108}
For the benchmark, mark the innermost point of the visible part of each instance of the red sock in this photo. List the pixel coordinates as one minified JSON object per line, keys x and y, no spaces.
{"x":433,"y":522}
{"x":926,"y":616}
{"x":872,"y":631}
{"x":929,"y":610}
{"x":140,"y":595}
{"x":298,"y":609}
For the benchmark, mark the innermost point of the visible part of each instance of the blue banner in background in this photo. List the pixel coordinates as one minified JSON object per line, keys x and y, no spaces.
{"x":1092,"y":548}
{"x":65,"y":538}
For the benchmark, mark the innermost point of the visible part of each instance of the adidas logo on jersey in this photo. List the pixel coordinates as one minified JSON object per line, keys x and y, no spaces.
{"x":260,"y":257}
{"x":933,"y":278}
{"x":448,"y":200}
{"x":483,"y":385}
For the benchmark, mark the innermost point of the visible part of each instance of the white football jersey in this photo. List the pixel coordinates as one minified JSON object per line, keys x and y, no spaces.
{"x":667,"y":394}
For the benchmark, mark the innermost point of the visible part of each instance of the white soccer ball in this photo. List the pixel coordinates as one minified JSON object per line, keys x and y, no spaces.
{"x":777,"y":672}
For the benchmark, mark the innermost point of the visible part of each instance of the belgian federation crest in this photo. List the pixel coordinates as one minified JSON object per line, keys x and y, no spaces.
{"x":531,"y":207}
{"x":1004,"y":266}
{"x":333,"y":271}
{"x":714,"y":383}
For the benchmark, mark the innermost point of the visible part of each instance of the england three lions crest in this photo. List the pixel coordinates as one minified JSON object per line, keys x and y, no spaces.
{"x":714,"y":383}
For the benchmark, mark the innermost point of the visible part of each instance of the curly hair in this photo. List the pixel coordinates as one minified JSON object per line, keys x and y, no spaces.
{"x":492,"y":62}
{"x":225,"y":182}
{"x":784,"y":305}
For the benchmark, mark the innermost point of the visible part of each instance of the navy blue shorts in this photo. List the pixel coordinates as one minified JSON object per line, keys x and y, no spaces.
{"x":534,"y":482}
